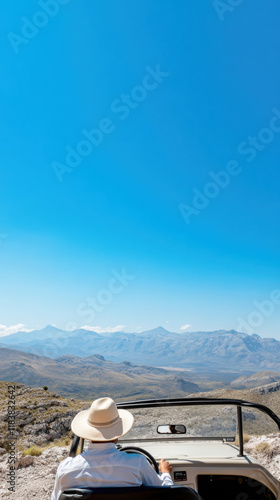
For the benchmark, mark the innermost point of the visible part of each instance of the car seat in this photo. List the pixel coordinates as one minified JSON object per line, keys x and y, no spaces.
{"x":135,"y":492}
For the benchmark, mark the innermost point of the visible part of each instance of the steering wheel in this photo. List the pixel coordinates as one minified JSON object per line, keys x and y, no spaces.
{"x":146,"y":454}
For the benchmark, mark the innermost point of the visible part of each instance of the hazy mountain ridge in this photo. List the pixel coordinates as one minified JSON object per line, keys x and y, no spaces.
{"x":221,"y":350}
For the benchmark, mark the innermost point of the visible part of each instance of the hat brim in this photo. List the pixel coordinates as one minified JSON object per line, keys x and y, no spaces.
{"x":83,"y":429}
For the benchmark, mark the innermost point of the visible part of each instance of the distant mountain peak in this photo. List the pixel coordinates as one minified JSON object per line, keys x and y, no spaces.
{"x":52,"y":328}
{"x":158,"y":330}
{"x":98,"y":356}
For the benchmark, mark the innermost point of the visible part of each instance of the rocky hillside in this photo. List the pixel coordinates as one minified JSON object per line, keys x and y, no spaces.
{"x":35,"y":476}
{"x":256,"y":380}
{"x":218,"y":350}
{"x":266,"y":449}
{"x":41,"y":417}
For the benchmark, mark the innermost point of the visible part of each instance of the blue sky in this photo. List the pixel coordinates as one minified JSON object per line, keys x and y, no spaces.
{"x":173,"y":91}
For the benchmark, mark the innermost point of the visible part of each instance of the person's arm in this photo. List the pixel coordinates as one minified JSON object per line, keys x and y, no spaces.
{"x":151,"y":478}
{"x":165,"y":469}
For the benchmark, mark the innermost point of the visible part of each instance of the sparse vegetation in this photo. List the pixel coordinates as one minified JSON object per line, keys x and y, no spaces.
{"x":34,"y":451}
{"x":41,"y":417}
{"x":266,"y":449}
{"x":263,"y":447}
{"x":65,"y":441}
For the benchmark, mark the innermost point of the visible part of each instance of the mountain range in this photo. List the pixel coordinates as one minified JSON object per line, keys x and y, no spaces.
{"x":219,"y":350}
{"x":89,"y":377}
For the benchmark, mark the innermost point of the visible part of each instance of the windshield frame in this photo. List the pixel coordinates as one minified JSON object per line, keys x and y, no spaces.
{"x":239,"y":403}
{"x":153,"y":403}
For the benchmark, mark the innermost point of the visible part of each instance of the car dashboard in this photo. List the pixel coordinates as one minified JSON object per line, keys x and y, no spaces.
{"x":213,"y":469}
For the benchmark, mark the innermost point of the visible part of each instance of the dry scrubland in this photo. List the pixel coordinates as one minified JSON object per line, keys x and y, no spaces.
{"x":41,"y":418}
{"x":43,"y":437}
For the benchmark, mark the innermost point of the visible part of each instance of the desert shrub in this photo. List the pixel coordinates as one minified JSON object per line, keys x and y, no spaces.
{"x":5,"y":445}
{"x":45,"y":388}
{"x":264,"y":447}
{"x":62,"y":442}
{"x":34,"y":451}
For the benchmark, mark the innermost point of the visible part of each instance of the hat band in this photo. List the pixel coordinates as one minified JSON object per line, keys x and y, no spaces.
{"x":103,"y":424}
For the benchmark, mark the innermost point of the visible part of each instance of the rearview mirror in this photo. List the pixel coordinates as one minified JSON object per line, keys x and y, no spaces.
{"x":171,"y":429}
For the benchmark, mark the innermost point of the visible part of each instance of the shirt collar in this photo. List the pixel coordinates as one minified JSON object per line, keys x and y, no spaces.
{"x":101,"y":446}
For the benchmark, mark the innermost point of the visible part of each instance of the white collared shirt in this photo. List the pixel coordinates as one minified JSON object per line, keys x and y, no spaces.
{"x":102,"y":464}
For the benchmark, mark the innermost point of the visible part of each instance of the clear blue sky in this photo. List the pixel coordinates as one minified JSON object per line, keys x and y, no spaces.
{"x":178,"y":89}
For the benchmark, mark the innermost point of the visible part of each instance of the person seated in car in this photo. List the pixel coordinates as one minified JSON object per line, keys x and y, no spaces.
{"x":102,"y":464}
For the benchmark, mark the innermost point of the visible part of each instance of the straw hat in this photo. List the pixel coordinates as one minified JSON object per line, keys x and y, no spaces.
{"x":102,"y":421}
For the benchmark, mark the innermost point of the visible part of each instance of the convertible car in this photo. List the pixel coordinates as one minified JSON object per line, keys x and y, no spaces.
{"x":203,"y":439}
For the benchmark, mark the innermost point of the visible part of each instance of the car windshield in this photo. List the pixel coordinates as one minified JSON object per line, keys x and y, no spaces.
{"x":204,"y":421}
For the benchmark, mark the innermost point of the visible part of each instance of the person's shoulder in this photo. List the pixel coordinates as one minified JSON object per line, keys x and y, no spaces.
{"x":64,"y":462}
{"x":69,"y":462}
{"x":140,"y":459}
{"x":129,"y":457}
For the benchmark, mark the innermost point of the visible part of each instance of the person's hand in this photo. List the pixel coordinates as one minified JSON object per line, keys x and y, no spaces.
{"x":164,"y":466}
